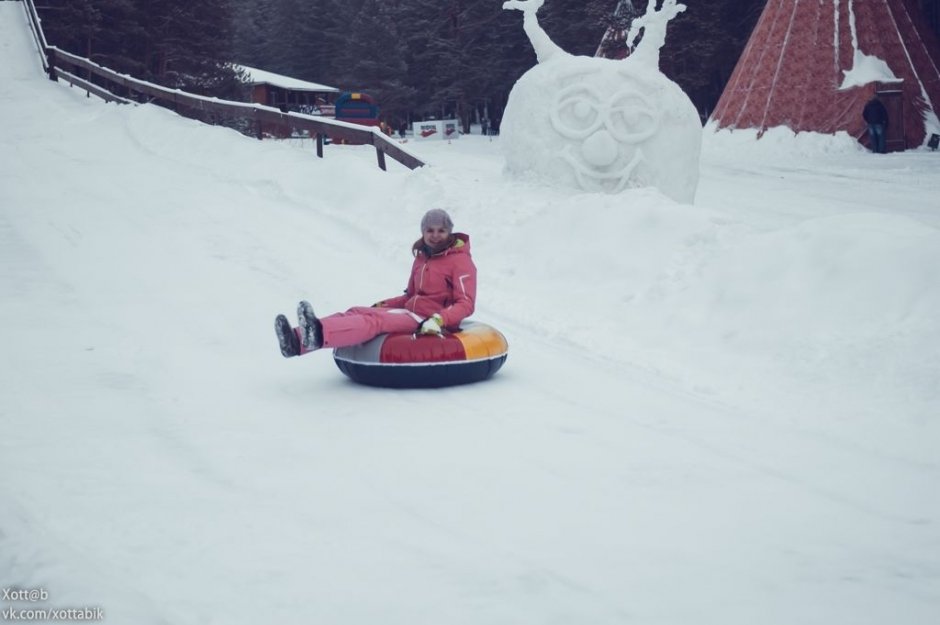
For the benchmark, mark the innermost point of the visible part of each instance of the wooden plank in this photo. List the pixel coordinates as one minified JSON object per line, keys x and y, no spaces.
{"x":102,"y":93}
{"x":39,"y":37}
{"x":396,"y":152}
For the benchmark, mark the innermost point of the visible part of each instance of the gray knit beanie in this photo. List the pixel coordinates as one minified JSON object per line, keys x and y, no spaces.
{"x":437,"y":217}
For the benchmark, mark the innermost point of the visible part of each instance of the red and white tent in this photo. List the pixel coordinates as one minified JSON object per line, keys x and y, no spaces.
{"x":614,"y":43}
{"x":812,"y":65}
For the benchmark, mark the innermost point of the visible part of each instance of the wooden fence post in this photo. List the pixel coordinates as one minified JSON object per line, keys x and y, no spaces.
{"x":380,"y":154}
{"x":50,"y":62}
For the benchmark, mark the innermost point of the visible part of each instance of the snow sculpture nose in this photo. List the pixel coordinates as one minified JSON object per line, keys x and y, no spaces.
{"x":600,"y":149}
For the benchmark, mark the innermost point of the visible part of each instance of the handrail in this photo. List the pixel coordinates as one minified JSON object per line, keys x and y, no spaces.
{"x":130,"y":89}
{"x":90,"y":87}
{"x":35,"y":29}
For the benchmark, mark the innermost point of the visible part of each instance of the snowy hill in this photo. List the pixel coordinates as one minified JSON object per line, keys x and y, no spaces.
{"x":724,"y":413}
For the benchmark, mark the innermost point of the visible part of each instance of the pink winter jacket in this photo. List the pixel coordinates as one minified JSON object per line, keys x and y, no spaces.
{"x":444,"y":283}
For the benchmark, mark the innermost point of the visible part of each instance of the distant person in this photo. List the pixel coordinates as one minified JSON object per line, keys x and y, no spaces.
{"x":876,"y":116}
{"x":485,"y":126}
{"x":441,"y":293}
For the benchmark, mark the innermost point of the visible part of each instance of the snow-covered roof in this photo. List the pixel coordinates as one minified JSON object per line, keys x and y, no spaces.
{"x":255,"y":76}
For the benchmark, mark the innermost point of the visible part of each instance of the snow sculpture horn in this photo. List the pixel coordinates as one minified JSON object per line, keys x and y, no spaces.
{"x":544,"y":47}
{"x":598,"y":124}
{"x":653,"y":24}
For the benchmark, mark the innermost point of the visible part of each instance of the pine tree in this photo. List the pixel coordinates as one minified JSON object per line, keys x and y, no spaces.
{"x":187,"y":44}
{"x":177,"y":43}
{"x":462,"y":56}
{"x":704,"y":44}
{"x":95,"y":29}
{"x":373,"y":60}
{"x":576,"y":26}
{"x":252,"y":31}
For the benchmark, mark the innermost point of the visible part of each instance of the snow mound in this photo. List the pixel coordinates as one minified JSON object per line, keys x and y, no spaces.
{"x":779,"y":142}
{"x":867,"y":69}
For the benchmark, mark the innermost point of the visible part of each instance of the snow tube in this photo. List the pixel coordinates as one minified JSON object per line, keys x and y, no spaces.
{"x":471,"y":354}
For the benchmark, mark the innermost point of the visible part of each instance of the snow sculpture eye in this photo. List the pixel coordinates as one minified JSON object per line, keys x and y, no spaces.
{"x":582,"y":110}
{"x":577,"y":112}
{"x":632,"y":117}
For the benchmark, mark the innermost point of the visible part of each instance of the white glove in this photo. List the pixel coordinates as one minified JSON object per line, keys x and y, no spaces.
{"x":432,"y":325}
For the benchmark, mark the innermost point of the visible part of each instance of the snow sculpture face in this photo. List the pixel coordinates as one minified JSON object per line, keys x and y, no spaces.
{"x":600,"y":125}
{"x":597,"y":125}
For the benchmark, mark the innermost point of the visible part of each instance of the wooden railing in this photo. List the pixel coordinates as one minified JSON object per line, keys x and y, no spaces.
{"x":247,"y":118}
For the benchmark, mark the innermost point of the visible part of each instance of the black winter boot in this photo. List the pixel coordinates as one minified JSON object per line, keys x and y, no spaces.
{"x":311,"y":331}
{"x":286,"y":337}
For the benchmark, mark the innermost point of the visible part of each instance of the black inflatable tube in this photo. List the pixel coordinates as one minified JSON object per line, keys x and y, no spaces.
{"x":421,"y":376}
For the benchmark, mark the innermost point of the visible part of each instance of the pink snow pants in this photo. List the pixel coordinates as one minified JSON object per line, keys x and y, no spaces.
{"x":359,"y":324}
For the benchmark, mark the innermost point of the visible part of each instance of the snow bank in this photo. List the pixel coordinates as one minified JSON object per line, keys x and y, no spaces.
{"x":823,"y":306}
{"x":778,"y":143}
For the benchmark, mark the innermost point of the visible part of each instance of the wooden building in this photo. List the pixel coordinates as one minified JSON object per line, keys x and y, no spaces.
{"x":289,"y":95}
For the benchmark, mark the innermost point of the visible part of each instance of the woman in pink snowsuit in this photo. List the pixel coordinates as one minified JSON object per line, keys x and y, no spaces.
{"x":441,"y":293}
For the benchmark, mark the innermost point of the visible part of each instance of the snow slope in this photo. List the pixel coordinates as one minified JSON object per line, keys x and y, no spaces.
{"x":714,"y":414}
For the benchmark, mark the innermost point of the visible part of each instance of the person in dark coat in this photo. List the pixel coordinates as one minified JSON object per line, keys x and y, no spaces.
{"x":876,"y":116}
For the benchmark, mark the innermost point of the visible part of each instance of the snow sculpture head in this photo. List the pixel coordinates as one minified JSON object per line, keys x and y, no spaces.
{"x":599,"y":124}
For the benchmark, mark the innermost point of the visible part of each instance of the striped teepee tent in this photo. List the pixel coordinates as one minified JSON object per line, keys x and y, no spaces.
{"x":613,"y":44}
{"x":812,"y":66}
